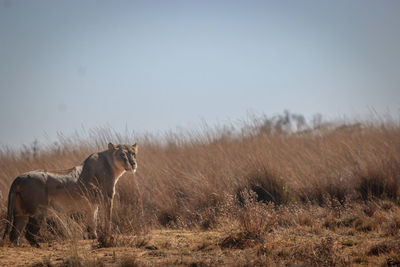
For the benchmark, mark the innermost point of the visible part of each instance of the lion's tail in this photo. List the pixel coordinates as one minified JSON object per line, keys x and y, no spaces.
{"x":10,"y":209}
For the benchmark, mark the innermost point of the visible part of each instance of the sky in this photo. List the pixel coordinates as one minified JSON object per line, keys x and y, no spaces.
{"x":150,"y":66}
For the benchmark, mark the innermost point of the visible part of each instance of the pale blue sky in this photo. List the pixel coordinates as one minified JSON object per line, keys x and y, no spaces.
{"x":156,"y":65}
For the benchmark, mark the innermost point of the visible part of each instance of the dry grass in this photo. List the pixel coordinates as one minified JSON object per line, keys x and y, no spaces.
{"x":255,"y":184}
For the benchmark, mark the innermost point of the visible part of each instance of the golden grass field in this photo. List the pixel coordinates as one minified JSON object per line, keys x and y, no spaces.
{"x":276,"y":191}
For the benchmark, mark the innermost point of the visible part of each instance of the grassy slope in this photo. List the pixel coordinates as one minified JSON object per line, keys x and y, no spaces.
{"x":335,"y":191}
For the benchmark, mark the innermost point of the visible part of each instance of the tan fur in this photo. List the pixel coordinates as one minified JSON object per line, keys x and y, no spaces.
{"x":79,"y":189}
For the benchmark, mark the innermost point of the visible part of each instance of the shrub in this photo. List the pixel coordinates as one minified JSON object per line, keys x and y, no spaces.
{"x":380,"y":182}
{"x":266,"y":187}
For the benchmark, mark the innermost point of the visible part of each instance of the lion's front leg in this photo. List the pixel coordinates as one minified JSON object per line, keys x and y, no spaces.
{"x":108,"y":210}
{"x":92,"y":222}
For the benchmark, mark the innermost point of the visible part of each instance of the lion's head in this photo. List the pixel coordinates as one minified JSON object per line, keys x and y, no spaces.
{"x":124,"y":156}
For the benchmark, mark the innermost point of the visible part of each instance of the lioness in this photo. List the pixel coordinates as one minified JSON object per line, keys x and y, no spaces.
{"x":80,"y":189}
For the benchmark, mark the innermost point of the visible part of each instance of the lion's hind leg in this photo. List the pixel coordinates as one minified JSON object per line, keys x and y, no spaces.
{"x":17,"y":228}
{"x":33,"y":229}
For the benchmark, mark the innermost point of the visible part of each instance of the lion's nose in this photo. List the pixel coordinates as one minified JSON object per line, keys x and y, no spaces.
{"x":133,"y":164}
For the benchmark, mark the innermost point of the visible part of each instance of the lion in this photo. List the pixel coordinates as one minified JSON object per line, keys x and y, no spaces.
{"x":80,"y":189}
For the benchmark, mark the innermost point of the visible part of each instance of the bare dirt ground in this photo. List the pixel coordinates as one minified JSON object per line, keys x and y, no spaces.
{"x":303,"y":245}
{"x":157,"y":248}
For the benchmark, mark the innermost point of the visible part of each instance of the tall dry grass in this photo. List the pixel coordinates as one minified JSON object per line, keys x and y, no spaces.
{"x":185,"y":179}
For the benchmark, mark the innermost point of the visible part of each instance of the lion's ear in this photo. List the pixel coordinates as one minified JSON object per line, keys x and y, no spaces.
{"x":135,"y":147}
{"x":111,"y":146}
